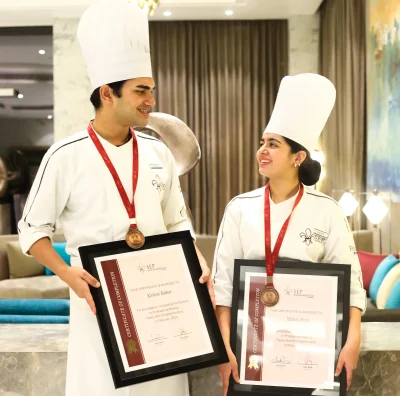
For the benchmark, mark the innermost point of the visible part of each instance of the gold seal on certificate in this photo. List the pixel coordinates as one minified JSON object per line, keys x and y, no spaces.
{"x":269,"y":296}
{"x":131,"y":346}
{"x":253,"y":363}
{"x":134,"y":238}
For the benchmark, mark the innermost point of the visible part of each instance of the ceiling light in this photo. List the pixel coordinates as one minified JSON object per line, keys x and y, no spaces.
{"x":20,"y":96}
{"x":167,"y":13}
{"x":228,"y":12}
{"x":49,"y":117}
{"x":8,"y":92}
{"x":42,"y":52}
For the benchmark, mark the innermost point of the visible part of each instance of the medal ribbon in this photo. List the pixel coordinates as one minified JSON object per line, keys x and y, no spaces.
{"x":272,"y":257}
{"x":129,"y":206}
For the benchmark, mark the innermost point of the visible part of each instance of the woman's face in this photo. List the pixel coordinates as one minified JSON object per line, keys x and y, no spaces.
{"x":274,"y":157}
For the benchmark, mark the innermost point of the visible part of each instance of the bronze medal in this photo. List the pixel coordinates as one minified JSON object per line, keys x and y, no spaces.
{"x":269,"y":296}
{"x":134,"y":238}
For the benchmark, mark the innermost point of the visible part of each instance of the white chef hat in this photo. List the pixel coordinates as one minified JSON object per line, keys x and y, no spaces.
{"x":114,"y":38}
{"x":302,"y":107}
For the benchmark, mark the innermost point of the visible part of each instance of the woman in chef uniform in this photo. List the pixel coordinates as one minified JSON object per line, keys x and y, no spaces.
{"x":75,"y":186}
{"x":317,"y":230}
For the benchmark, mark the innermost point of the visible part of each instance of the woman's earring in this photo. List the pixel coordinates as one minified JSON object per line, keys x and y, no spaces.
{"x":295,"y":165}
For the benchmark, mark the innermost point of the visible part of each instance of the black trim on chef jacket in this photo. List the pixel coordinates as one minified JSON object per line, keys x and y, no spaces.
{"x":322,"y":196}
{"x":66,"y":144}
{"x":222,"y":227}
{"x":149,"y":138}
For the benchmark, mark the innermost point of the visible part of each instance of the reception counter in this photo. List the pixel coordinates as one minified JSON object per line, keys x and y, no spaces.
{"x":33,"y":362}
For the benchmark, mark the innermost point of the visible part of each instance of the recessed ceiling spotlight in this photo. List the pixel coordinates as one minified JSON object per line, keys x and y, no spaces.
{"x":20,"y":96}
{"x":49,"y":117}
{"x":167,"y":13}
{"x":42,"y":52}
{"x":228,"y":12}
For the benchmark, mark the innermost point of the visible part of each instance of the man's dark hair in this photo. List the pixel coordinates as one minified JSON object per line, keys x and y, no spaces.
{"x":116,"y":88}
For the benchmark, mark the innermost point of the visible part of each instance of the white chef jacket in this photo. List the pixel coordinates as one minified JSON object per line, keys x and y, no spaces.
{"x":318,"y":231}
{"x":74,"y":185}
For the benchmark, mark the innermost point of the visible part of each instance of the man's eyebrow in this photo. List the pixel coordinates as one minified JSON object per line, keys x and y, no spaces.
{"x":145,"y":87}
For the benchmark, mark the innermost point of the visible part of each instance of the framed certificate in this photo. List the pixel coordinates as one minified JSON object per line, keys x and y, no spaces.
{"x":291,"y":348}
{"x":155,"y":318}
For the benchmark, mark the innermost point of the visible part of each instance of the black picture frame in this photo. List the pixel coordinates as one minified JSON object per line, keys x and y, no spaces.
{"x":120,"y":377}
{"x":290,"y":266}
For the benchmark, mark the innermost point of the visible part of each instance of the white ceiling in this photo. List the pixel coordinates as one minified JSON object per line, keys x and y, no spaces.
{"x":19,"y":54}
{"x":19,"y":61}
{"x":42,"y":12}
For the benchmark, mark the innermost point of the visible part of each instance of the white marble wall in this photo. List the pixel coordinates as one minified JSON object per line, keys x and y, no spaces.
{"x":303,"y":44}
{"x":72,"y":107}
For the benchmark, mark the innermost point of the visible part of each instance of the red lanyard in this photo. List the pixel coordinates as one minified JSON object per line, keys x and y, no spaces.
{"x":129,"y":206}
{"x":272,"y":257}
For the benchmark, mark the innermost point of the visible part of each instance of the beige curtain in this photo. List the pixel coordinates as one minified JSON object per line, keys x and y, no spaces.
{"x":343,"y":61}
{"x":221,"y":78}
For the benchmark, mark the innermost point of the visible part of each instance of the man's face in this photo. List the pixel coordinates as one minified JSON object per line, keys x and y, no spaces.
{"x":135,"y":103}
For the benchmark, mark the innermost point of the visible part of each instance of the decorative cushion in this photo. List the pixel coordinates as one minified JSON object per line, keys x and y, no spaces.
{"x":22,"y":266}
{"x":36,"y":287}
{"x":59,"y":247}
{"x":35,"y":307}
{"x":393,"y":300}
{"x":33,"y":319}
{"x":383,"y":269}
{"x":369,"y":263}
{"x":387,"y":286}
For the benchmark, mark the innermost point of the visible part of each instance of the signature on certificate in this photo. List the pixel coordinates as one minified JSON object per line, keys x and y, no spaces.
{"x":280,"y":360}
{"x":307,"y":362}
{"x":157,"y":338}
{"x":183,"y":333}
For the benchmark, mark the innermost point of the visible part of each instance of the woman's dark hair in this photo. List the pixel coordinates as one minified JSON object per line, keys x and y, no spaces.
{"x":95,"y":96}
{"x":310,"y":170}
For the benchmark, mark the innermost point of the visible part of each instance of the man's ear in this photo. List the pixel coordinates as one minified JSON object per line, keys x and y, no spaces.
{"x":106,"y":94}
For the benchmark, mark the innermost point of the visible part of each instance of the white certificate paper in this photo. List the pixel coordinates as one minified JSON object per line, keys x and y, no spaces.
{"x":293,"y":343}
{"x":153,"y":307}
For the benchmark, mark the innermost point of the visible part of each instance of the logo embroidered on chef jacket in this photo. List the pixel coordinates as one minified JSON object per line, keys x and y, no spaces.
{"x":156,"y":166}
{"x":353,"y":249}
{"x":308,"y":237}
{"x":319,"y":236}
{"x":158,"y":184}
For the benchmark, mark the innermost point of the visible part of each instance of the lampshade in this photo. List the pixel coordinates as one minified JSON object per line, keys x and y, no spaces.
{"x":318,"y":156}
{"x":375,"y":209}
{"x":348,"y":203}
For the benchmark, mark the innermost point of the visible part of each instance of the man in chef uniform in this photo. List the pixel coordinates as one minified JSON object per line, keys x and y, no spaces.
{"x":317,"y":230}
{"x":75,"y":186}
